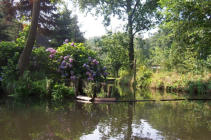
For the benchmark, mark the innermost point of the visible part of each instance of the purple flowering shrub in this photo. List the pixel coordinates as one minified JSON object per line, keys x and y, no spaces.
{"x":75,"y":61}
{"x":93,"y":70}
{"x":52,"y":52}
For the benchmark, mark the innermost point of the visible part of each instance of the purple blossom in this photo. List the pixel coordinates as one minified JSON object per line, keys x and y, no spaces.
{"x":73,"y":77}
{"x":94,"y":60}
{"x":89,"y":58}
{"x":94,"y":74}
{"x":51,"y":56}
{"x":70,"y":60}
{"x":105,"y":74}
{"x":84,"y":65}
{"x":88,"y":73}
{"x":66,"y":57}
{"x":70,"y":65}
{"x":87,"y":66}
{"x":63,"y":63}
{"x":63,"y":67}
{"x":90,"y":79}
{"x":51,"y":50}
{"x":97,"y":62}
{"x":72,"y":44}
{"x":104,"y":68}
{"x":66,"y":41}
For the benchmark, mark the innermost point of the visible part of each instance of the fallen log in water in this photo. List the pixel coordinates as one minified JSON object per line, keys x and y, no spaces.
{"x":192,"y":99}
{"x":172,"y":99}
{"x":104,"y":99}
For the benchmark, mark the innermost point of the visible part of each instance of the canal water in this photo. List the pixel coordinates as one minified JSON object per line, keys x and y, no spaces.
{"x":70,"y":120}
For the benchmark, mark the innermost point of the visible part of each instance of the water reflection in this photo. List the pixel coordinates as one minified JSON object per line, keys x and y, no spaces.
{"x":73,"y":121}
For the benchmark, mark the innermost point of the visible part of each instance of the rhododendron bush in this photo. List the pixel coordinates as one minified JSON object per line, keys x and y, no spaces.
{"x":74,"y":61}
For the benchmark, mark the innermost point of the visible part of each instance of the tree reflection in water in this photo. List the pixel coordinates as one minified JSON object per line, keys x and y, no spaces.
{"x":72,"y":121}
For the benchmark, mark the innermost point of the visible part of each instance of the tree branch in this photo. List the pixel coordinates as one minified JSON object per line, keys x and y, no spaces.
{"x":134,"y":9}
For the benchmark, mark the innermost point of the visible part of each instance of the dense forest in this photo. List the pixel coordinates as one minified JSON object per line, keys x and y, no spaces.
{"x":44,"y":54}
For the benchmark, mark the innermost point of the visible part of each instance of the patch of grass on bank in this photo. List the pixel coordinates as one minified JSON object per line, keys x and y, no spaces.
{"x":175,"y":82}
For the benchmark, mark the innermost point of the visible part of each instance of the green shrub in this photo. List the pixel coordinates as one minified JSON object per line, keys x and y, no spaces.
{"x":143,"y":77}
{"x":198,"y":87}
{"x":9,"y":51}
{"x":60,"y":92}
{"x":126,"y":77}
{"x":27,"y":87}
{"x":39,"y":60}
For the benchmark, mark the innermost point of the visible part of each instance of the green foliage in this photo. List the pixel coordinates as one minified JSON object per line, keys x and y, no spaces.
{"x":143,"y":77}
{"x":183,"y":43}
{"x":140,"y":16}
{"x":88,"y":89}
{"x":22,"y":36}
{"x":114,"y":50}
{"x":40,"y":60}
{"x":27,"y":87}
{"x":66,"y":28}
{"x":9,"y":50}
{"x":9,"y":27}
{"x":60,"y":92}
{"x":126,"y":77}
{"x":177,"y":82}
{"x":9,"y":54}
{"x":199,"y":87}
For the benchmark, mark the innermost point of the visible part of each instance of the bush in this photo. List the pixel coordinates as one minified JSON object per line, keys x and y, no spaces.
{"x":39,"y":60}
{"x":143,"y":77}
{"x":60,"y":92}
{"x":9,"y":51}
{"x":69,"y":62}
{"x":75,"y":61}
{"x":27,"y":87}
{"x":199,"y":87}
{"x":176,"y":82}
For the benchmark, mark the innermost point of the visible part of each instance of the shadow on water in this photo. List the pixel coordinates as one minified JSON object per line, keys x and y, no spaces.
{"x":42,"y":120}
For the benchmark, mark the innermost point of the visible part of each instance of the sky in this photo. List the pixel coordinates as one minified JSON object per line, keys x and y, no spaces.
{"x":92,"y":26}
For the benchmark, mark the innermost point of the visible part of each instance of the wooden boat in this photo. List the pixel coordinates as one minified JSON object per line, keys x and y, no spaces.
{"x":95,"y":100}
{"x":84,"y":98}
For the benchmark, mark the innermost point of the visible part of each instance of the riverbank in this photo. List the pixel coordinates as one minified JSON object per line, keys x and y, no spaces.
{"x":175,"y":82}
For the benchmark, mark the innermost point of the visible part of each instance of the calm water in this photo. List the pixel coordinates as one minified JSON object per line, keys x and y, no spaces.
{"x":124,"y":121}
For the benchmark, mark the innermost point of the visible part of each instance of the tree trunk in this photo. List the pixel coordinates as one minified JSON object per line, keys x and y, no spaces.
{"x":131,"y":49}
{"x":25,"y":56}
{"x":130,"y":34}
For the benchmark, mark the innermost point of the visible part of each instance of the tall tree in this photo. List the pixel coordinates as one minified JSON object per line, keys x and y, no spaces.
{"x":112,"y":51}
{"x":66,"y":28}
{"x":48,"y":13}
{"x":25,"y":56}
{"x":8,"y":25}
{"x":138,"y":14}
